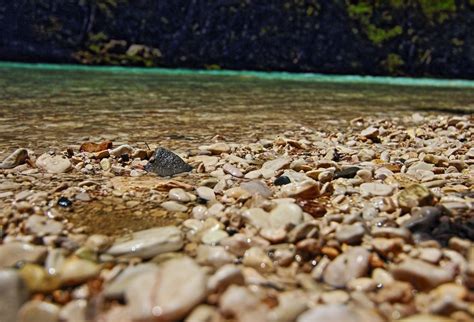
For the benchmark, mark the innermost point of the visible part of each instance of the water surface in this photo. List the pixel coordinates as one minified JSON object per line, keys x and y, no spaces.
{"x":43,"y":108}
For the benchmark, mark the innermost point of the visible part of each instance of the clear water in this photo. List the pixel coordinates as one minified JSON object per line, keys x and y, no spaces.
{"x":46,"y":107}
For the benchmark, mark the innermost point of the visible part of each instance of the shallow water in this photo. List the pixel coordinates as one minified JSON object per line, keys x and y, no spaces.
{"x":40,"y":109}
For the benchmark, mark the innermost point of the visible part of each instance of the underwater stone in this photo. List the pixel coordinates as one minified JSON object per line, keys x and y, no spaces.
{"x":166,"y":163}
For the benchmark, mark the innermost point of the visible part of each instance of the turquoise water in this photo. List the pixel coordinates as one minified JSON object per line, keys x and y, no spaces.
{"x":45,"y":106}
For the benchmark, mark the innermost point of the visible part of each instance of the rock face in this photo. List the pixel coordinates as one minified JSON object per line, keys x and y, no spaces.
{"x":166,"y":163}
{"x":168,"y":295}
{"x":149,"y":243}
{"x":372,"y":42}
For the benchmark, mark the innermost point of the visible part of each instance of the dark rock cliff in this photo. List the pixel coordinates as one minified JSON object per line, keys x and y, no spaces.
{"x":378,"y":37}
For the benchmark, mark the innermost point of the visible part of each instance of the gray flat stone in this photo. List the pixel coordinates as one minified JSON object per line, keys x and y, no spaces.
{"x":166,"y":163}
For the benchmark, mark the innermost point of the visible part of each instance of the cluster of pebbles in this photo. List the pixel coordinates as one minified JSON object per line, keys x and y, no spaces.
{"x":372,"y":224}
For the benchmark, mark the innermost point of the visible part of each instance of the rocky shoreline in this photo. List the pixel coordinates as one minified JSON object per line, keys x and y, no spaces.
{"x":371,"y":224}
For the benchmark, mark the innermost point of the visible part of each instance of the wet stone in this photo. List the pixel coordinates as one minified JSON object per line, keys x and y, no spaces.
{"x":166,"y":163}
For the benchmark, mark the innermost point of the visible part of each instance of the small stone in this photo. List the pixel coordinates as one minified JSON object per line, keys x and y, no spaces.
{"x":395,"y":292}
{"x":64,"y":202}
{"x":239,"y":302}
{"x":149,"y":243}
{"x":83,"y":196}
{"x":53,"y":164}
{"x":281,"y":181}
{"x":224,"y":277}
{"x":215,"y":256}
{"x":422,"y":275}
{"x":370,"y":133}
{"x":339,"y":313}
{"x":179,"y":194}
{"x":11,"y":253}
{"x":426,"y":318}
{"x":203,"y":313}
{"x":117,"y":287}
{"x":121,"y":150}
{"x":362,"y":284}
{"x":174,"y":206}
{"x":366,"y":155}
{"x":37,"y":279}
{"x":76,"y":271}
{"x":35,"y":311}
{"x":430,"y":254}
{"x":105,"y":164}
{"x":74,"y":311}
{"x":376,"y":189}
{"x":415,"y":195}
{"x":347,"y":173}
{"x":98,"y":242}
{"x":257,"y":187}
{"x":95,"y":147}
{"x":290,"y":305}
{"x":335,"y":297}
{"x":423,"y":219}
{"x":308,"y":190}
{"x":350,"y":234}
{"x":171,"y":293}
{"x":218,"y":148}
{"x":255,"y":257}
{"x":212,"y":237}
{"x":470,"y":153}
{"x":274,"y":235}
{"x":348,"y":266}
{"x":166,"y":163}
{"x":12,"y":296}
{"x":101,"y":155}
{"x":233,"y":171}
{"x":284,"y":214}
{"x":206,"y":193}
{"x":41,"y":226}
{"x":276,"y":164}
{"x":15,"y":159}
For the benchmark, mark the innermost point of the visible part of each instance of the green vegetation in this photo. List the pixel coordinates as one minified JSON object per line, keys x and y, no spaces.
{"x":392,"y":63}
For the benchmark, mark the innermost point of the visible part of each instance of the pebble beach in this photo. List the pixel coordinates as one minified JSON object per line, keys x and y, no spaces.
{"x":373,"y":222}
